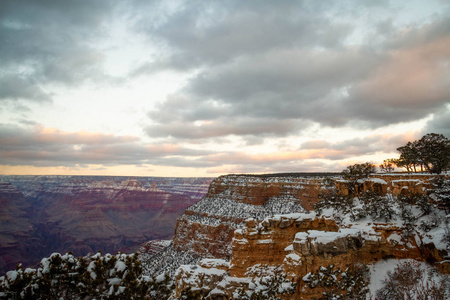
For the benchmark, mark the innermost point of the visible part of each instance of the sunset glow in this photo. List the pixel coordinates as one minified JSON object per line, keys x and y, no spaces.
{"x":195,"y":88}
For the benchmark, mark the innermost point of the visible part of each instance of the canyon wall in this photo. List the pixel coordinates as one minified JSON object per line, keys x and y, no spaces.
{"x":45,"y":214}
{"x":207,"y":227}
{"x":249,"y":230}
{"x":393,"y":183}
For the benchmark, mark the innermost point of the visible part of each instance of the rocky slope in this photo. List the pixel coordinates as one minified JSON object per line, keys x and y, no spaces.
{"x":254,"y":232}
{"x":206,"y":229}
{"x":45,"y":214}
{"x":292,"y":246}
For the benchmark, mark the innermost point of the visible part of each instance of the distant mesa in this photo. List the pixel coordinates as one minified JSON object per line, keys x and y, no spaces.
{"x":131,"y":184}
{"x":102,"y":184}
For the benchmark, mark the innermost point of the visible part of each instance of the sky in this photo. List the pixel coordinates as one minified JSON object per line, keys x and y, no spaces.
{"x":205,"y":88}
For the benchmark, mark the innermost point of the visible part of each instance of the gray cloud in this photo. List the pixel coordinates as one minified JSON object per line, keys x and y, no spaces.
{"x":39,"y":146}
{"x":49,"y":42}
{"x":411,"y":83}
{"x":293,"y":65}
{"x":15,"y":87}
{"x":204,"y":33}
{"x":223,"y":127}
{"x":258,"y":70}
{"x":440,"y":123}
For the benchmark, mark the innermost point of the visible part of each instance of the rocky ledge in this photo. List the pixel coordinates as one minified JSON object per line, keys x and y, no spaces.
{"x":207,"y":227}
{"x":289,"y":247}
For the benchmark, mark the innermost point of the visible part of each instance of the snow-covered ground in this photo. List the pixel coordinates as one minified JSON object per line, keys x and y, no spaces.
{"x":379,"y":271}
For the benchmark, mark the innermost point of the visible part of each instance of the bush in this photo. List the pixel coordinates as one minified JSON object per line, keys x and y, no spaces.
{"x":376,"y":206}
{"x":409,"y":221}
{"x":354,"y":173}
{"x":337,"y":284}
{"x":68,"y":277}
{"x":441,"y":193}
{"x":410,"y":281}
{"x":421,"y":201}
{"x":331,"y":199}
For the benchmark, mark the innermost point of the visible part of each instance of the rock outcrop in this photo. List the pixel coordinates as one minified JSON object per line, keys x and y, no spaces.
{"x":207,"y":227}
{"x":392,"y":183}
{"x":298,"y":244}
{"x":254,"y":233}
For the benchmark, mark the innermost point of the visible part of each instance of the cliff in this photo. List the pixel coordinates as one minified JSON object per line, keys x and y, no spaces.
{"x":207,"y":227}
{"x":250,"y":233}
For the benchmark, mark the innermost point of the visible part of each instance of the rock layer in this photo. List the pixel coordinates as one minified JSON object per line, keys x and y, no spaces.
{"x":206,"y":228}
{"x":45,"y":214}
{"x":245,"y":224}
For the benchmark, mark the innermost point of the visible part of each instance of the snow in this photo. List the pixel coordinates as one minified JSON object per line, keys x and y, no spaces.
{"x":90,"y":269}
{"x":377,"y":180}
{"x":166,"y":261}
{"x":12,"y":275}
{"x":379,"y":271}
{"x":350,"y":231}
{"x":120,"y":266}
{"x":216,"y":291}
{"x":214,"y":263}
{"x":160,"y":278}
{"x":394,"y":239}
{"x":295,"y":257}
{"x":114,"y":281}
{"x":289,"y":248}
{"x":325,"y":237}
{"x":267,"y":241}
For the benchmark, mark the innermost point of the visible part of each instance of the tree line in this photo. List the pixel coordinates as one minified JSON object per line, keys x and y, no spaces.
{"x":429,"y":154}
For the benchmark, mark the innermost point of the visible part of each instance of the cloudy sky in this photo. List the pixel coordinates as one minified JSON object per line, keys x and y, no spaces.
{"x":203,"y":88}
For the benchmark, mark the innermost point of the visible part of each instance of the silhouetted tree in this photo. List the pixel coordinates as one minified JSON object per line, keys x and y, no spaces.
{"x":388,"y":165}
{"x":432,"y":151}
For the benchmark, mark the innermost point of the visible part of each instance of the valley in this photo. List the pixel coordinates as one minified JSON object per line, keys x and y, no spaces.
{"x":84,"y":214}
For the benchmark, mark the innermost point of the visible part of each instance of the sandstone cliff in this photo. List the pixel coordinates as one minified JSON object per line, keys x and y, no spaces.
{"x":251,"y":233}
{"x":207,"y":227}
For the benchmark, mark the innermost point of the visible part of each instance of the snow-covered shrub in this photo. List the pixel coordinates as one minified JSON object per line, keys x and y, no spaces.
{"x":352,"y":283}
{"x":409,"y":220}
{"x":376,"y":206}
{"x":331,"y":199}
{"x":441,"y":193}
{"x":68,"y":277}
{"x":421,"y":201}
{"x":446,"y":237}
{"x":410,"y":281}
{"x":431,"y":222}
{"x":161,"y":286}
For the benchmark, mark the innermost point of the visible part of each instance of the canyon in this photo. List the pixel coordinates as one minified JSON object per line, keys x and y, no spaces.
{"x":40,"y":215}
{"x":253,"y":231}
{"x":250,"y":236}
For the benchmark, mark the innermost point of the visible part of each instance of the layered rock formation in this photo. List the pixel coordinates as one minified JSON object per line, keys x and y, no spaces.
{"x":207,"y":227}
{"x":251,"y":233}
{"x":392,"y":183}
{"x":14,"y":225}
{"x":298,"y":244}
{"x":45,"y":214}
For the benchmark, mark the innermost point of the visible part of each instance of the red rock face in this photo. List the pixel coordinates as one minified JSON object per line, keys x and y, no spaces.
{"x":393,"y":183}
{"x":206,"y":229}
{"x":87,"y":214}
{"x":296,"y":243}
